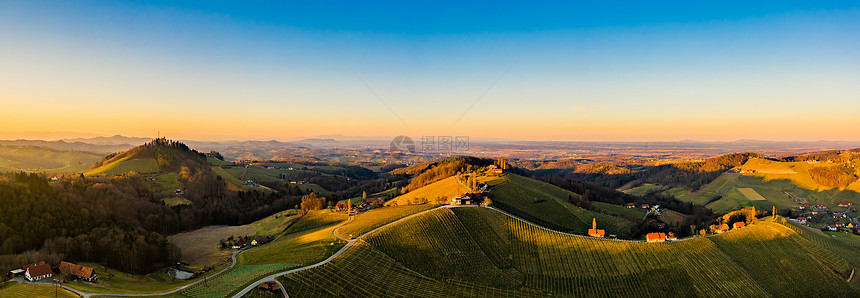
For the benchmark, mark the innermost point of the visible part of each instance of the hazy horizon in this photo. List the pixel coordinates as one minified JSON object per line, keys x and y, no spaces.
{"x":61,"y":135}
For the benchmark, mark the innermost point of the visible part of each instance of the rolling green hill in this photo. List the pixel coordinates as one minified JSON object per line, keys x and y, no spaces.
{"x":158,"y":156}
{"x":537,"y":201}
{"x":125,"y":165}
{"x":445,"y":188}
{"x":477,"y":252}
{"x":726,"y":193}
{"x":31,"y":158}
{"x":547,"y":205}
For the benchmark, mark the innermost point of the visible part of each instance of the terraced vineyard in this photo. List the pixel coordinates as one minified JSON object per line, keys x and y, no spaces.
{"x":547,"y":205}
{"x":848,"y":251}
{"x":719,"y":187}
{"x":234,"y":280}
{"x":374,"y":218}
{"x":784,"y":263}
{"x":478,"y":252}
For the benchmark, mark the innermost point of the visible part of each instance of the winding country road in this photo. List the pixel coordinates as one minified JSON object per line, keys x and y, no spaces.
{"x":174,"y":291}
{"x":350,"y":242}
{"x":336,"y":254}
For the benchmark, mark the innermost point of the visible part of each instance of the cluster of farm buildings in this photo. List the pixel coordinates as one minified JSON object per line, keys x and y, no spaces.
{"x":829,"y":220}
{"x":41,"y":270}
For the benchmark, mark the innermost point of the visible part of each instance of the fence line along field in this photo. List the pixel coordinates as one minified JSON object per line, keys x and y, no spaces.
{"x":478,"y":252}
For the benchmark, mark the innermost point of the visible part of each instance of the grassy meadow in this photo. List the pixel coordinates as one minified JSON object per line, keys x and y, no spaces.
{"x":125,"y":165}
{"x":18,"y":290}
{"x":308,"y":241}
{"x":445,"y":188}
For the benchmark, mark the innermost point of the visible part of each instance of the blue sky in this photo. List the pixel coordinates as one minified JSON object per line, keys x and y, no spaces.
{"x":779,"y":70}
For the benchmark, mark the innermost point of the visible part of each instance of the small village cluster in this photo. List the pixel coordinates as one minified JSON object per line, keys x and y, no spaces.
{"x":367,"y":204}
{"x":242,"y":242}
{"x":829,"y":220}
{"x":41,"y":270}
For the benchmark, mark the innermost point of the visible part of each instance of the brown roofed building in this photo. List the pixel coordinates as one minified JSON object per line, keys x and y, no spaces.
{"x":38,"y":271}
{"x":271,"y":286}
{"x":77,"y":271}
{"x":655,"y":237}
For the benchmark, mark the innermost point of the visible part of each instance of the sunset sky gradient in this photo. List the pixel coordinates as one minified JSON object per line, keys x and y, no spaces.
{"x":597,"y":70}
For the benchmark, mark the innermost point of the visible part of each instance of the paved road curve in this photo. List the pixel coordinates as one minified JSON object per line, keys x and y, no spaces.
{"x":349,"y":243}
{"x":335,"y":255}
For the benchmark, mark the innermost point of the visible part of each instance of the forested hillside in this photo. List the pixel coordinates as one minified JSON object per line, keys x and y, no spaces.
{"x":120,"y":220}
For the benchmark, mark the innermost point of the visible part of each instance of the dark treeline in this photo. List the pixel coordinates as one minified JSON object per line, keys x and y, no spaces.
{"x":691,"y":175}
{"x":115,"y":221}
{"x":121,"y":222}
{"x":339,"y":178}
{"x":836,"y":156}
{"x":839,"y":176}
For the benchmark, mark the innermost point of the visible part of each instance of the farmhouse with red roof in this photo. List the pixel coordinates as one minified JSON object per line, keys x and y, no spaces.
{"x":655,"y":237}
{"x":38,"y":271}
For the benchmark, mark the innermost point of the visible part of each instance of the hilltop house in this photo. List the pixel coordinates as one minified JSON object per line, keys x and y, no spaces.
{"x":738,"y":225}
{"x":819,"y":207}
{"x":844,"y":204}
{"x":645,"y":206}
{"x":38,"y":271}
{"x":655,"y":237}
{"x":464,"y":200}
{"x":722,"y":228}
{"x":77,"y":271}
{"x":594,"y":231}
{"x":804,"y":206}
{"x":801,"y":220}
{"x":630,"y":205}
